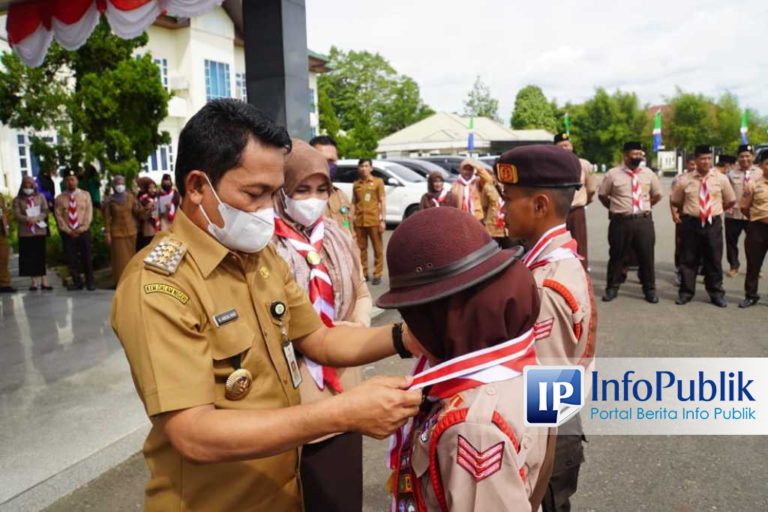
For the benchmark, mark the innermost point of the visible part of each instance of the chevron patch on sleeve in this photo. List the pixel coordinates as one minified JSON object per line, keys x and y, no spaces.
{"x":543,"y":329}
{"x":479,"y":464}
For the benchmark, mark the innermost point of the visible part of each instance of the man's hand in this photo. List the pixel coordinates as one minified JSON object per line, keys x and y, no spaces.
{"x":382,"y":226}
{"x":676,"y":216}
{"x":380,"y":405}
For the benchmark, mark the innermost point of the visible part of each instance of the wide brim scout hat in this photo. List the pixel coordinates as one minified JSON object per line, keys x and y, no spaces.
{"x":439,"y":252}
{"x":539,"y":166}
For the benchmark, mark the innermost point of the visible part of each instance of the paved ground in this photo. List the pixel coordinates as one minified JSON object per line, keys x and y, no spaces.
{"x":622,"y":473}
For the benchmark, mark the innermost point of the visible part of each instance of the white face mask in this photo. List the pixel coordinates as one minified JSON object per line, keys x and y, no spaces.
{"x":305,"y":211}
{"x":243,"y":231}
{"x":119,"y":189}
{"x":28,"y":191}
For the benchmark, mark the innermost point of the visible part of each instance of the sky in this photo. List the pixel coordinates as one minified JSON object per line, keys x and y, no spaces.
{"x":568,"y":48}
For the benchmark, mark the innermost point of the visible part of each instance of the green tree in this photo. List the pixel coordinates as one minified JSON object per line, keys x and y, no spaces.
{"x":533,"y":110}
{"x":692,"y":120}
{"x":480,"y":103}
{"x":105,"y":105}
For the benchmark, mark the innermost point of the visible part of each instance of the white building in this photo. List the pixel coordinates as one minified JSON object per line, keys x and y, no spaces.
{"x":200,"y":59}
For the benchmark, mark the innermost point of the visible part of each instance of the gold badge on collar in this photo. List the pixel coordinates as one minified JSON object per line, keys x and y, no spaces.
{"x":166,"y":256}
{"x":507,"y":173}
{"x":313,"y":258}
{"x":264,"y":272}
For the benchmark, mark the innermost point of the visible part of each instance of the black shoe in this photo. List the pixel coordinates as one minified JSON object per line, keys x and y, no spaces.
{"x":46,"y":288}
{"x":367,"y":278}
{"x":609,"y":295}
{"x":7,"y":289}
{"x":90,"y":287}
{"x":748,"y":303}
{"x":651,"y":297}
{"x":719,"y":302}
{"x":74,"y":287}
{"x":376,"y":280}
{"x":33,"y":288}
{"x":682,"y":301}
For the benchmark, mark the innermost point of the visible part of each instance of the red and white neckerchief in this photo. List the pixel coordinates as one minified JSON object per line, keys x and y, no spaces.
{"x":466,"y":199}
{"x":72,"y":219}
{"x":500,"y":213}
{"x":747,"y":178}
{"x":31,"y":204}
{"x":441,"y":198}
{"x":566,"y":251}
{"x":493,"y":364}
{"x":171,"y":213}
{"x":705,"y":203}
{"x":320,"y":291}
{"x":637,"y":193}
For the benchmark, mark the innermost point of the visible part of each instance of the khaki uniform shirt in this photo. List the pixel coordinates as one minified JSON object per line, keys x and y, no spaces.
{"x":5,"y":229}
{"x":120,"y":219}
{"x":20,"y":211}
{"x":617,"y":186}
{"x":457,"y":189}
{"x":589,"y":185}
{"x":493,"y":416}
{"x":180,"y":359}
{"x":84,"y":209}
{"x":736,"y":177}
{"x":340,"y":209}
{"x":490,"y":201}
{"x":367,"y":196}
{"x":755,"y":199}
{"x":688,"y":186}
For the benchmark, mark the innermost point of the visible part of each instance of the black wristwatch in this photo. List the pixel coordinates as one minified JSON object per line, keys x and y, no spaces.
{"x":397,"y":341}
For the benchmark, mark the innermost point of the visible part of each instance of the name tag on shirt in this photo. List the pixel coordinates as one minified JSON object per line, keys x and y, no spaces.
{"x":367,"y":197}
{"x":225,"y":317}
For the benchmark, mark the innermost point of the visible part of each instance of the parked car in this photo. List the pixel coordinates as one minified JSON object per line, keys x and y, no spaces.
{"x":450,"y":162}
{"x":423,"y":167}
{"x":404,"y":187}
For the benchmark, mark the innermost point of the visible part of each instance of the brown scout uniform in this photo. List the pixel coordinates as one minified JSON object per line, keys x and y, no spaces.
{"x":120,"y":222}
{"x":340,"y":209}
{"x":457,"y":189}
{"x":77,"y":247}
{"x":576,"y":222}
{"x":5,"y":247}
{"x":180,"y":359}
{"x":367,"y":196}
{"x":735,"y":221}
{"x":755,"y":199}
{"x":491,"y":202}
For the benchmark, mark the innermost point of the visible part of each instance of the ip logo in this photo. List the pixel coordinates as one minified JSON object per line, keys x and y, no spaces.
{"x":553,"y":394}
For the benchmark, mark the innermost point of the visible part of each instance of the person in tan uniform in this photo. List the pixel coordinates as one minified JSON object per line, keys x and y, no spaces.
{"x":339,"y":208}
{"x":690,"y":166}
{"x":493,"y":208}
{"x":468,"y":448}
{"x":702,"y":197}
{"x":577,"y":218}
{"x":74,"y":212}
{"x":754,"y":206}
{"x":735,"y":221}
{"x":121,"y":212}
{"x":370,"y":200}
{"x":629,"y":191}
{"x":325,"y":262}
{"x":467,"y":190}
{"x":539,"y":183}
{"x":5,"y":249}
{"x":211,"y":319}
{"x":31,"y":211}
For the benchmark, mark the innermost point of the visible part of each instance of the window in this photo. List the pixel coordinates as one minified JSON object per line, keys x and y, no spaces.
{"x":241,"y":91}
{"x":345,"y":174}
{"x":311,"y":100}
{"x":160,"y":160}
{"x":21,"y":143}
{"x":217,"y":83}
{"x":163,"y":65}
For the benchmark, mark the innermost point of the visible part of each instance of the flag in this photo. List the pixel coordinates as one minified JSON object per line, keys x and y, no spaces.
{"x":743,"y":130}
{"x":471,"y":136}
{"x":657,"y":131}
{"x":567,"y":123}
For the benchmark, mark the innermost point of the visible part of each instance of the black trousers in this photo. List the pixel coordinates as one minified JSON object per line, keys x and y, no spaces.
{"x":78,"y":250}
{"x":755,"y":246}
{"x":701,"y":245}
{"x":332,"y":474}
{"x":569,"y":456}
{"x":733,"y":229}
{"x":627,"y":234}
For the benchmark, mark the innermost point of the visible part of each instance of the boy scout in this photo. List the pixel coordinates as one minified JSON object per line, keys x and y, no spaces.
{"x":702,"y":196}
{"x":339,"y":208}
{"x":735,"y":221}
{"x":539,"y":183}
{"x":629,"y":191}
{"x":577,"y":218}
{"x":370,"y":201}
{"x":74,"y":212}
{"x":5,"y":249}
{"x":209,"y":316}
{"x":754,"y":206}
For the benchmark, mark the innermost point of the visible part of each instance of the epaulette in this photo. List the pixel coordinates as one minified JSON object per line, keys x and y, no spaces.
{"x":166,"y":256}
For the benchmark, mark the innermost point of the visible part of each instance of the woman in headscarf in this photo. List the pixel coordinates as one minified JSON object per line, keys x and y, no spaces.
{"x":437,"y":193}
{"x":149,"y":215}
{"x":31,"y":210}
{"x":466,"y":189}
{"x":120,"y":216}
{"x":168,"y":202}
{"x":326,"y":263}
{"x":472,"y":306}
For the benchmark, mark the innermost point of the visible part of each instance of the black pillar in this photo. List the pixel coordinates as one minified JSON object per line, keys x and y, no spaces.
{"x":276,"y":61}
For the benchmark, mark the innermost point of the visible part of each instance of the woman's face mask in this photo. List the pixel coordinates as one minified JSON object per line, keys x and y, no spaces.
{"x":120,"y":188}
{"x":305,"y":211}
{"x":28,"y":191}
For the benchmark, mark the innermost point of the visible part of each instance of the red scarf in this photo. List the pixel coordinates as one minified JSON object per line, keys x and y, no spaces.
{"x":31,"y":204}
{"x":637,"y":194}
{"x":705,"y":203}
{"x":500,"y":213}
{"x":72,"y":218}
{"x":171,"y":205}
{"x":466,"y":199}
{"x":568,"y":250}
{"x":320,"y":290}
{"x":145,"y":199}
{"x":441,"y":198}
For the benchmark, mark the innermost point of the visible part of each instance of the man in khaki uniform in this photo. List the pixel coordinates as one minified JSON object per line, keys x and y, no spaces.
{"x":577,"y":218}
{"x":702,"y":196}
{"x":690,"y":166}
{"x":5,"y":249}
{"x":210,"y":319}
{"x":370,"y":201}
{"x":539,"y":183}
{"x":466,"y":191}
{"x":338,"y":208}
{"x":74,"y":212}
{"x":754,"y":206}
{"x":735,"y":221}
{"x":629,"y":191}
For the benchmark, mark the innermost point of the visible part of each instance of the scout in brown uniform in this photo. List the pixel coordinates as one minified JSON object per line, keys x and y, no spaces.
{"x":339,"y":208}
{"x":629,"y":191}
{"x":467,"y":190}
{"x":370,"y":200}
{"x":577,"y":218}
{"x":5,"y":249}
{"x":690,"y":166}
{"x":468,"y":449}
{"x":735,"y":221}
{"x":754,"y":205}
{"x":702,"y":196}
{"x":539,"y":183}
{"x":121,"y":211}
{"x":209,"y":316}
{"x":74,"y":213}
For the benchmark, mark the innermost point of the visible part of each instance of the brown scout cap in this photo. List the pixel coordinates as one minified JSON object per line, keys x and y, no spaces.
{"x":539,"y":166}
